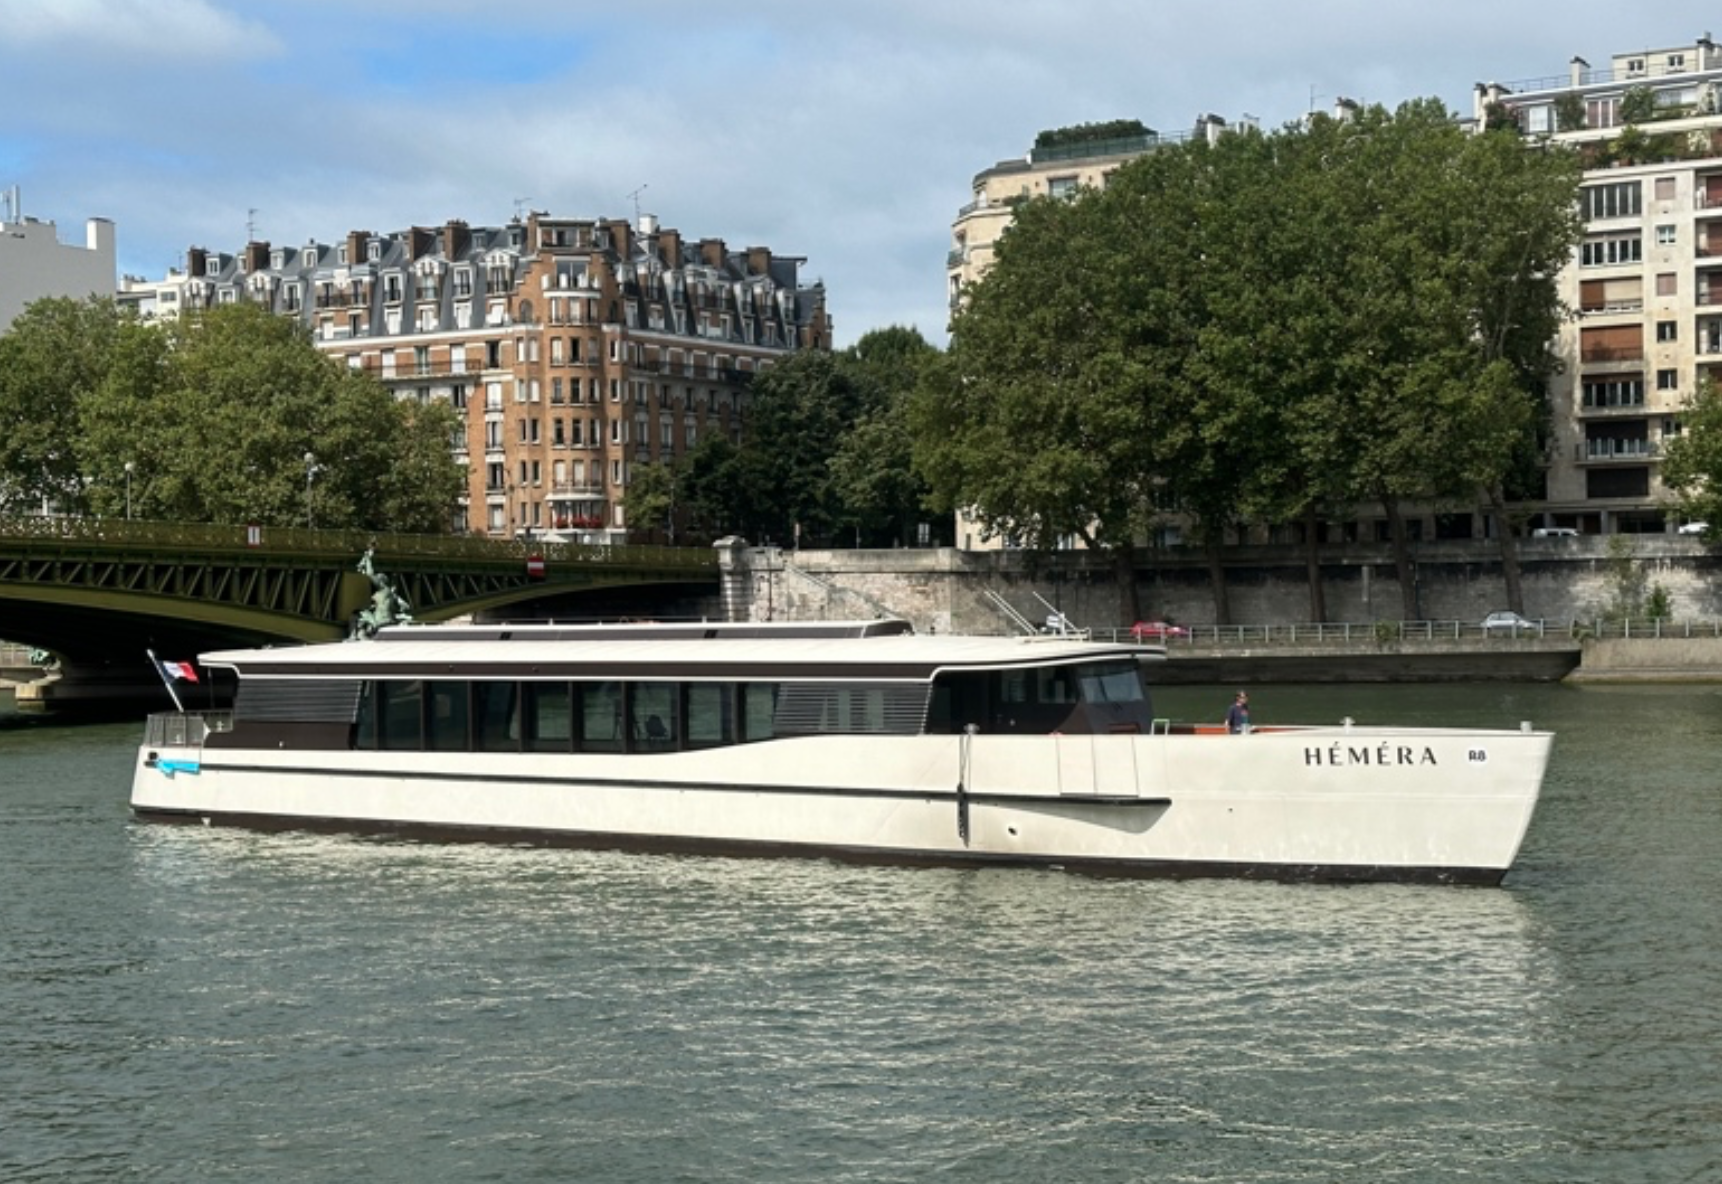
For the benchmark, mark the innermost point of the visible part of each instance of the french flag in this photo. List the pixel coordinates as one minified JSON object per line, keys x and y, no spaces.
{"x":182,"y":671}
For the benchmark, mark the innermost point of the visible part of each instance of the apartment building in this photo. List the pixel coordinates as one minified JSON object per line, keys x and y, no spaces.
{"x":1646,"y":282}
{"x":572,"y":348}
{"x":35,"y":264}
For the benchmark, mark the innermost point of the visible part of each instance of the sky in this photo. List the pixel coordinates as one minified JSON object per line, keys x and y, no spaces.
{"x":845,"y":132}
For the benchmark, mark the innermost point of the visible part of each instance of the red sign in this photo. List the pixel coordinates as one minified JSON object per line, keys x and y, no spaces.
{"x":535,"y":567}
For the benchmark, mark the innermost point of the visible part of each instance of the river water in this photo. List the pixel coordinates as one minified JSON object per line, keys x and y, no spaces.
{"x":191,"y":1005}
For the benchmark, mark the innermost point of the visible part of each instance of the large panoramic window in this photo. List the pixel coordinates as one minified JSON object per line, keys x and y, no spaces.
{"x":1618,"y":199}
{"x":1612,"y":251}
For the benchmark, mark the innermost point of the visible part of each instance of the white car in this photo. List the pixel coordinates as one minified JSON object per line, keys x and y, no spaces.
{"x":1506,"y":622}
{"x":1694,"y":527}
{"x":1554,"y":532}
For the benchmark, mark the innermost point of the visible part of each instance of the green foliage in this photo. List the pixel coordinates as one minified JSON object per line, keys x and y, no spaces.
{"x":1498,"y":117}
{"x":651,"y":497}
{"x":1659,"y":605}
{"x":1692,"y":461}
{"x":827,"y":450}
{"x":1626,"y":580}
{"x":1569,"y":111}
{"x":1267,"y":327}
{"x":1084,"y":133}
{"x":214,"y":414}
{"x":57,"y":353}
{"x":1638,"y":105}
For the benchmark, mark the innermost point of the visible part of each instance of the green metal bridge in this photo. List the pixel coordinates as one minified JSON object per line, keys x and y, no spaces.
{"x":97,"y":591}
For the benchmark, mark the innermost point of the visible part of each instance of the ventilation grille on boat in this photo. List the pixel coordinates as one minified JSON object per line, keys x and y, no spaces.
{"x":298,"y":700}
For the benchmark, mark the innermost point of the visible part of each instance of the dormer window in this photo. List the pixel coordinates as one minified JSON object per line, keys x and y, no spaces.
{"x":392,"y":288}
{"x":374,"y":250}
{"x":277,"y":259}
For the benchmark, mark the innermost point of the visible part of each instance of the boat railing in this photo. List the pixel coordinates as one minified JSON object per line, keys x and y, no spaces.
{"x":189,"y":729}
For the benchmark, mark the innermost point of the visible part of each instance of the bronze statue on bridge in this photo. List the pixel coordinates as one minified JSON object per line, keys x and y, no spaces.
{"x":388,"y":605}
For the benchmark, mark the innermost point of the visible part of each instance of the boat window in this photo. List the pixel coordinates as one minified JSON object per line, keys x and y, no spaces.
{"x":399,"y":714}
{"x":448,"y":716}
{"x":496,"y":710}
{"x":1114,"y":682}
{"x":549,"y":717}
{"x":710,"y":714}
{"x":600,"y":716}
{"x":1055,"y":684}
{"x":653,"y":724}
{"x":365,"y":730}
{"x":759,"y":711}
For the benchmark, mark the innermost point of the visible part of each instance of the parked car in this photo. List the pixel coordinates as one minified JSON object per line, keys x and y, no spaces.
{"x":1554,"y":532}
{"x":1508,"y":622}
{"x":1694,"y":527}
{"x":1157,"y":630}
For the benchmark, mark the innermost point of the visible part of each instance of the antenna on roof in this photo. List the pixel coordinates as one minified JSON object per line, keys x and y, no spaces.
{"x":251,"y":225}
{"x":635,"y":197}
{"x":519,"y":205}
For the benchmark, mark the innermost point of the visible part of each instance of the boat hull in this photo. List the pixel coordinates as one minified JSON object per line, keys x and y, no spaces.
{"x":1330,"y":804}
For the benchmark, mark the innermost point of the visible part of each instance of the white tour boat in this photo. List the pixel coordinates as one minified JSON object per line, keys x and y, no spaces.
{"x":850,"y":740}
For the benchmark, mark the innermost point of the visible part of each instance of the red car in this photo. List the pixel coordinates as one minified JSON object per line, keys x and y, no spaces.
{"x":1156,"y":631}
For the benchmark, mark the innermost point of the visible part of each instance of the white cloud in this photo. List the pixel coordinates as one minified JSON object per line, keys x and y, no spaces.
{"x":173,"y":31}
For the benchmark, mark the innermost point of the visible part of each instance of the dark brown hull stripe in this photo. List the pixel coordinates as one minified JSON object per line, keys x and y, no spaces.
{"x":738,"y":848}
{"x":1001,"y":799}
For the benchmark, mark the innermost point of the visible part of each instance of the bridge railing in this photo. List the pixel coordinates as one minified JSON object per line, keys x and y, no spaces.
{"x":303,"y":540}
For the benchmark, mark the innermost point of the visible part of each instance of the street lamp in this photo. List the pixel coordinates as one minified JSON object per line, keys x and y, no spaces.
{"x":129,"y":467}
{"x":312,"y":468}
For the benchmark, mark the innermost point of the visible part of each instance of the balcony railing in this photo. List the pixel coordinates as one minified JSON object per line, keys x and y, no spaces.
{"x":1605,"y":450}
{"x":1612,"y":353}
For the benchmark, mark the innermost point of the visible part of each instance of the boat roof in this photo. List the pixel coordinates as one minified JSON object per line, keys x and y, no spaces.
{"x":631,"y":652}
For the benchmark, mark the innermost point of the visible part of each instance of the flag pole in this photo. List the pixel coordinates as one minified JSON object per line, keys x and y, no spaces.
{"x":165,"y":681}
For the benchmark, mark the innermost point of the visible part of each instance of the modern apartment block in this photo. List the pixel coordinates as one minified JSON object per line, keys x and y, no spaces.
{"x":573,"y":348}
{"x":1057,"y":169}
{"x":1646,"y":283}
{"x":35,"y":264}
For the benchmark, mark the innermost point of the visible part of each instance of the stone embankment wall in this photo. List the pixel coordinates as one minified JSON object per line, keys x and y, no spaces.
{"x":959,"y":591}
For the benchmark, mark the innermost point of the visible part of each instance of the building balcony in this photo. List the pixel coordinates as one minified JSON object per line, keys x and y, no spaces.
{"x":563,"y":490}
{"x":1628,"y":410}
{"x":1591,"y":452}
{"x":1614,"y":308}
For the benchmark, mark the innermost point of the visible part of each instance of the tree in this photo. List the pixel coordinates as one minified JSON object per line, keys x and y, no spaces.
{"x":1270,"y":327}
{"x":214,"y":413}
{"x":872,"y":470}
{"x":54,"y":355}
{"x":1692,"y":461}
{"x":651,"y":498}
{"x":799,"y":412}
{"x":1046,"y":418}
{"x":1454,"y":241}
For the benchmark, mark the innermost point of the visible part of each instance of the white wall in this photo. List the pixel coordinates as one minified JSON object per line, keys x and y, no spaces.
{"x":34,"y":263}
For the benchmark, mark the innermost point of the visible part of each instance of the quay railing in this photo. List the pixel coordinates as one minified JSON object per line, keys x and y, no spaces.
{"x":194,"y":536}
{"x":1344,"y":634}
